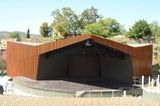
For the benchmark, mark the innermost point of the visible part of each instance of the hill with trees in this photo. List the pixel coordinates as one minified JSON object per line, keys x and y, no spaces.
{"x":14,"y":34}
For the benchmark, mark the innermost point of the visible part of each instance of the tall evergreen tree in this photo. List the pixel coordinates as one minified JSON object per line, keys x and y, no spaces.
{"x":28,"y":34}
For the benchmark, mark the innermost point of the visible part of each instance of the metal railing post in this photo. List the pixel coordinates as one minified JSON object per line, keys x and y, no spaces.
{"x":142,"y":81}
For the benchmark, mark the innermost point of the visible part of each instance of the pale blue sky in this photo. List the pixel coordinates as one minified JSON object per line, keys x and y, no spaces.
{"x":19,"y":15}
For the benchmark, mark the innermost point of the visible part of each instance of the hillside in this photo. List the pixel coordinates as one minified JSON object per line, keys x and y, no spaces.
{"x":5,"y":34}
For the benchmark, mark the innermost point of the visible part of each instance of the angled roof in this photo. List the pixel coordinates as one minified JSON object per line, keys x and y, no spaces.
{"x":136,"y":51}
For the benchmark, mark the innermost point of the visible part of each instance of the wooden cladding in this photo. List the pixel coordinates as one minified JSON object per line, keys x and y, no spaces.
{"x":22,"y":59}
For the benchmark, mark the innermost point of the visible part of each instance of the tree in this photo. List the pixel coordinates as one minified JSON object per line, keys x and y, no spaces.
{"x":44,"y":29}
{"x":141,"y":29}
{"x":89,"y":16}
{"x":14,"y":35}
{"x":157,"y":36}
{"x":49,"y":31}
{"x":2,"y":64}
{"x":104,"y":27}
{"x":28,"y":34}
{"x":112,"y":26}
{"x":65,"y":23}
{"x":95,"y":28}
{"x":74,"y":25}
{"x":122,"y":30}
{"x":155,"y":28}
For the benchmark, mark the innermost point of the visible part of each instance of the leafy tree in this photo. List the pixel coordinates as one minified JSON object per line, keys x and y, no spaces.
{"x":2,"y":67}
{"x":95,"y":28}
{"x":65,"y":23}
{"x":141,"y":29}
{"x":44,"y":29}
{"x":74,"y":25}
{"x":18,"y":39}
{"x":157,"y":36}
{"x":49,"y":31}
{"x":14,"y":35}
{"x":155,"y":28}
{"x":112,"y":26}
{"x":122,"y":30}
{"x":104,"y":27}
{"x":89,"y":16}
{"x":2,"y":64}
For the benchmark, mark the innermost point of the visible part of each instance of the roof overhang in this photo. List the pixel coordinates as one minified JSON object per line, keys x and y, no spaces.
{"x":137,"y":50}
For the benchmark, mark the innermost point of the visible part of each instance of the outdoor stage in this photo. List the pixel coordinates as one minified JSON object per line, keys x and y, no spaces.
{"x":65,"y":86}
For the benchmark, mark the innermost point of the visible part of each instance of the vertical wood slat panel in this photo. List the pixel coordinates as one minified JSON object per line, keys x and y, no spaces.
{"x":141,"y":67}
{"x":21,"y":60}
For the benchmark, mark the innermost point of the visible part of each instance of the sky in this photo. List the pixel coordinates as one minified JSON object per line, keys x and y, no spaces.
{"x":21,"y":15}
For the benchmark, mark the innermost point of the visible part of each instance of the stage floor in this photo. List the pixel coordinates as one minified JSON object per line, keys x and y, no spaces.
{"x":67,"y":85}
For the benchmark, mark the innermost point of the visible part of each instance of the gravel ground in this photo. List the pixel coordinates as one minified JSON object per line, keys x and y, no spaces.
{"x":8,"y":100}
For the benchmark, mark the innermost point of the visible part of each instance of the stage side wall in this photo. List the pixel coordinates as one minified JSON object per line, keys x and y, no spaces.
{"x":21,"y":60}
{"x":119,"y":70}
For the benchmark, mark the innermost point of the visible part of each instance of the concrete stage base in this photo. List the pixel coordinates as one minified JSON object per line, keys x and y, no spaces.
{"x":68,"y":87}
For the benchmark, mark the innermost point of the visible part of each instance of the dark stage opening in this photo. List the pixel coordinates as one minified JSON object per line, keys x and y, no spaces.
{"x":86,"y":62}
